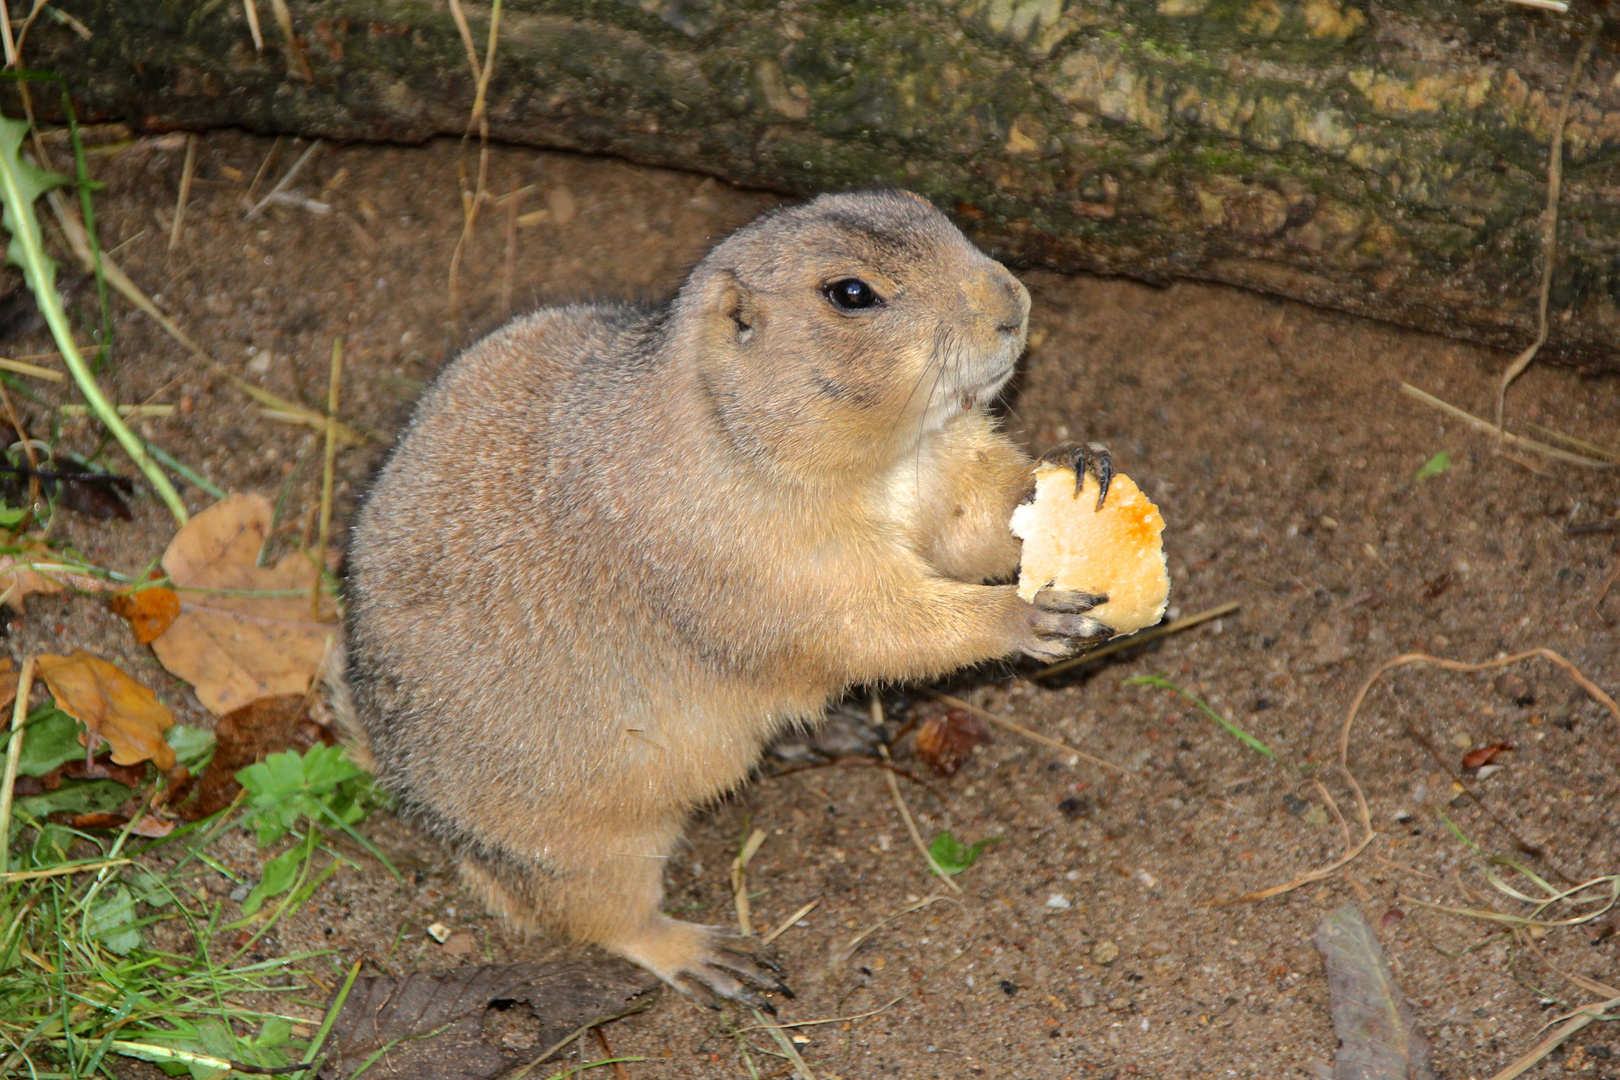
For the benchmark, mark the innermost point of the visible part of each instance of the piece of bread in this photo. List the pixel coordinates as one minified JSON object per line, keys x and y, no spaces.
{"x":1069,"y":544}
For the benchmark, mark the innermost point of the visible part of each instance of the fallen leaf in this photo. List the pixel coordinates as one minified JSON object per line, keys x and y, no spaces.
{"x":112,"y":706}
{"x":470,"y":1023}
{"x":247,"y":735}
{"x":19,"y":580}
{"x":947,"y":742}
{"x":1484,"y":755}
{"x":8,"y":682}
{"x":103,"y":767}
{"x":149,"y":611}
{"x":236,"y":648}
{"x":1377,"y":1038}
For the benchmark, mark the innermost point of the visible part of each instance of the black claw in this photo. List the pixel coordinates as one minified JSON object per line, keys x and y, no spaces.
{"x":1092,"y":457}
{"x":786,"y":991}
{"x":765,"y":1006}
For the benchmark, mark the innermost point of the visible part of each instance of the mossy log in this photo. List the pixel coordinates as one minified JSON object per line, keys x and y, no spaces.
{"x":1386,"y":159}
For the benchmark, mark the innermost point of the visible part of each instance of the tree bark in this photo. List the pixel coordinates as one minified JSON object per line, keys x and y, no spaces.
{"x":1388,"y":160}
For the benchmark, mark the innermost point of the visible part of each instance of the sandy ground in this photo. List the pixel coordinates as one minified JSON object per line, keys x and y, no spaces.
{"x":1092,"y":941}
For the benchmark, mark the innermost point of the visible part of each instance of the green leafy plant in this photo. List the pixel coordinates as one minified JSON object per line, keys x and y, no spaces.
{"x":953,"y":857}
{"x":287,"y":792}
{"x":321,"y":785}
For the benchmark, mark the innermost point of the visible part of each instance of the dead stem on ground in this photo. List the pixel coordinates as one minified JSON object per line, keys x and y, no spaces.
{"x":1571,"y":1023}
{"x":1140,"y":638}
{"x":297,"y":63}
{"x":1033,"y":736}
{"x":186,"y":171}
{"x":328,"y":473}
{"x":286,"y":181}
{"x":781,"y":1039}
{"x":1506,"y":437}
{"x":251,"y":9}
{"x":905,"y":811}
{"x":1549,"y":225}
{"x":607,"y":1052}
{"x":842,"y":956}
{"x":470,"y":202}
{"x":792,"y":920}
{"x":1363,"y":811}
{"x":739,"y":881}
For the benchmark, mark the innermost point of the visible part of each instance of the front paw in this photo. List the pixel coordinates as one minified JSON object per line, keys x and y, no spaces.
{"x":1058,"y":626}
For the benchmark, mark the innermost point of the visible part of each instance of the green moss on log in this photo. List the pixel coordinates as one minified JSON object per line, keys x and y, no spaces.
{"x":1388,"y":161}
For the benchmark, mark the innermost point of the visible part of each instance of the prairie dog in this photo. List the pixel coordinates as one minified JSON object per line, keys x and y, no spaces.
{"x":619,"y":549}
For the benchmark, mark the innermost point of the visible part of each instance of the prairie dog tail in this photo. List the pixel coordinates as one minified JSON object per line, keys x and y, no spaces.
{"x":339,"y":698}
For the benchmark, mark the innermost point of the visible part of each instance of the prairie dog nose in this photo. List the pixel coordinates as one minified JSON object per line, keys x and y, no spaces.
{"x":1000,"y":298}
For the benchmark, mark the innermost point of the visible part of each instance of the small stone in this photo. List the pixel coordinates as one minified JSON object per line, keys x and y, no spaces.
{"x":438,"y":932}
{"x":1104,"y":952}
{"x":1058,"y":902}
{"x":460,"y":943}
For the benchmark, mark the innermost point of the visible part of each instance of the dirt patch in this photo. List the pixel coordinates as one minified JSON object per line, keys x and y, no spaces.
{"x":1090,"y":940}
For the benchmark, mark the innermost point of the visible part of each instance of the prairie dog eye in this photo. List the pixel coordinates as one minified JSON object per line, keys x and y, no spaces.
{"x":852,"y":294}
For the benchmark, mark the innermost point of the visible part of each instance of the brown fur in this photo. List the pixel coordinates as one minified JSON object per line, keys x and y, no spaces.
{"x":618,"y":550}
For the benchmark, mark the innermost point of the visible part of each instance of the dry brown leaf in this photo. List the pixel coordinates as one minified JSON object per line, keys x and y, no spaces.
{"x":149,"y":611}
{"x":947,"y":742}
{"x":112,"y":706}
{"x":148,"y":825}
{"x":19,"y":580}
{"x":8,"y":682}
{"x":247,"y":735}
{"x":235,"y":649}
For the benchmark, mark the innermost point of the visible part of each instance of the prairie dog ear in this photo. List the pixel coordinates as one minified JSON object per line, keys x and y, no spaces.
{"x":736,"y":304}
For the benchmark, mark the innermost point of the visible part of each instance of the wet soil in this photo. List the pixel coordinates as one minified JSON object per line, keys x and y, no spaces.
{"x":1096,"y":939}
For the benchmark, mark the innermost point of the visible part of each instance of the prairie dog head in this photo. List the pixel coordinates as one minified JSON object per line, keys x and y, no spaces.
{"x":834,"y":334}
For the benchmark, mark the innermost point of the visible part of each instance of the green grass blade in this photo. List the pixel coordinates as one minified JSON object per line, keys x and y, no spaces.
{"x":18,"y":190}
{"x":1236,"y":732}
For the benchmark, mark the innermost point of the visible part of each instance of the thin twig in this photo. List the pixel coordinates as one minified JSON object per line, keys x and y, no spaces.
{"x":479,"y":118}
{"x":27,"y":445}
{"x":252,"y":10}
{"x":1033,"y":736}
{"x":328,"y":472}
{"x":264,"y":167}
{"x":790,"y":921}
{"x":905,"y":811}
{"x":842,"y":956}
{"x":1362,"y":809}
{"x":186,"y":171}
{"x":1140,"y":638}
{"x":739,"y":881}
{"x":1549,"y":225}
{"x":619,"y":1072}
{"x":19,"y":367}
{"x":287,"y":178}
{"x":1572,"y":1022}
{"x":5,"y":35}
{"x":297,"y":63}
{"x":789,"y":1051}
{"x":1503,"y":436}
